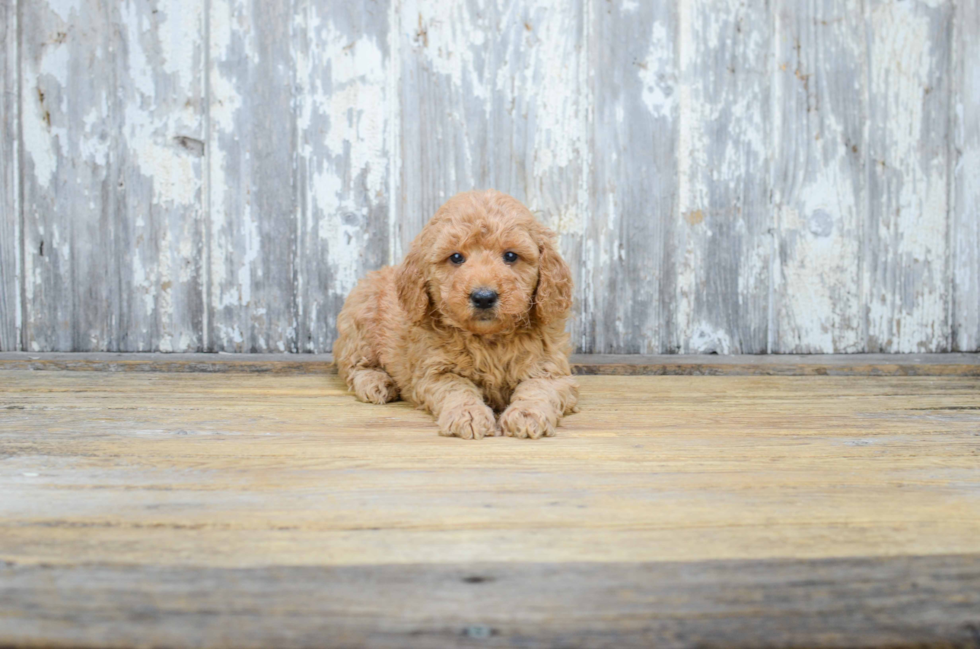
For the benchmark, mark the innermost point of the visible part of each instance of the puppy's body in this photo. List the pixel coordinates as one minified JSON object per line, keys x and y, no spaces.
{"x":423,"y":331}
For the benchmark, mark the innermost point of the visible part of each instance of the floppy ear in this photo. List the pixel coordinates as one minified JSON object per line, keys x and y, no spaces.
{"x":553,"y":296}
{"x":410,"y":284}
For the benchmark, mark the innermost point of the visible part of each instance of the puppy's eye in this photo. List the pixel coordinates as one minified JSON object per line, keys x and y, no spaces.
{"x":510,"y":257}
{"x":457,"y":258}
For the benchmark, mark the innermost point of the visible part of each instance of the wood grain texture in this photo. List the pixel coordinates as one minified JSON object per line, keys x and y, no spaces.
{"x":719,"y":241}
{"x":634,"y":172}
{"x":965,"y":164}
{"x":948,"y":364}
{"x":342,"y":71}
{"x":730,"y":177}
{"x":69,"y":181}
{"x":211,"y":509}
{"x":907,"y":279}
{"x":252,"y":178}
{"x":10,"y":214}
{"x":112,"y":129}
{"x":765,"y":365}
{"x":158,"y":211}
{"x":819,"y":177}
{"x":892,"y":602}
{"x":239,"y":470}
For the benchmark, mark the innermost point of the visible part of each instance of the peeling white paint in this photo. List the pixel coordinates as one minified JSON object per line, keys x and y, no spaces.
{"x":10,"y":195}
{"x":821,"y":310}
{"x":229,"y":29}
{"x":656,"y":72}
{"x":174,"y":174}
{"x":44,"y":134}
{"x":449,"y":37}
{"x":252,"y":242}
{"x":225,"y":97}
{"x":393,"y":132}
{"x":721,"y":173}
{"x":706,"y":339}
{"x":65,"y":9}
{"x":343,"y":236}
{"x":140,"y":71}
{"x":354,"y":105}
{"x":559,"y":137}
{"x":691,"y":160}
{"x":39,"y":144}
{"x":911,"y":213}
{"x":179,"y":32}
{"x":343,"y":109}
{"x":514,"y":109}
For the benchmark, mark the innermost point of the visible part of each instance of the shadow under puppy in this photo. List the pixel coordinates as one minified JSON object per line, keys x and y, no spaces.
{"x":471,"y":324}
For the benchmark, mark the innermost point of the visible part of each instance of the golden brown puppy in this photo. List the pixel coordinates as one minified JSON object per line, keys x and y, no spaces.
{"x":471,"y":324}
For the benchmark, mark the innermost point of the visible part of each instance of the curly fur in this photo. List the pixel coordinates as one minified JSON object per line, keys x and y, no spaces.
{"x":411,"y":331}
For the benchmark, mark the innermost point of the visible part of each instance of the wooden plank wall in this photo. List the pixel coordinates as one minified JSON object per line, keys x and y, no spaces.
{"x":965,"y":180}
{"x":799,"y":176}
{"x":112,"y":175}
{"x":10,"y":215}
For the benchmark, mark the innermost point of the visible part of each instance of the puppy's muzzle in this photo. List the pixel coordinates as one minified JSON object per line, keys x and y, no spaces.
{"x":483,"y":298}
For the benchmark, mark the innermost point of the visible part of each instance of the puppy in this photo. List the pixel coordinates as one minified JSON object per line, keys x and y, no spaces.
{"x":471,"y":324}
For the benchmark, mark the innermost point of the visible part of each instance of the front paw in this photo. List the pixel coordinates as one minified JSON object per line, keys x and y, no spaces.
{"x":468,"y":421}
{"x":528,"y":419}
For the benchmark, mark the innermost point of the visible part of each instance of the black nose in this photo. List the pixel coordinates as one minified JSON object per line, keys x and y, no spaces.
{"x":483,"y":298}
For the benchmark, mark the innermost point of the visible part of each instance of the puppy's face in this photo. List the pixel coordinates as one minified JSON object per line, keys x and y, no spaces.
{"x":482,"y":274}
{"x":486,"y":265}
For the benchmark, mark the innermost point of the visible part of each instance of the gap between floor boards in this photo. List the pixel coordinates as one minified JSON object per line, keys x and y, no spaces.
{"x":582,"y":364}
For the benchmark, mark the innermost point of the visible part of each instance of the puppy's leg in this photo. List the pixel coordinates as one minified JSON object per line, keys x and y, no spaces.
{"x":457,"y":404}
{"x":360,"y":369}
{"x":357,"y":360}
{"x":537,"y":406}
{"x":372,"y":385}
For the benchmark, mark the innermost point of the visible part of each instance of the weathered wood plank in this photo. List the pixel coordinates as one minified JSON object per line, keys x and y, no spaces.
{"x":724,"y":176}
{"x":634,"y":177}
{"x":10,"y":214}
{"x":782,"y":365}
{"x":907,"y":277}
{"x":717,"y":263}
{"x":112,"y":176}
{"x":252,"y":178}
{"x":157,"y":202}
{"x":965,"y":166}
{"x":819,"y":173}
{"x":252,"y":510}
{"x":183,"y":363}
{"x":888,"y":602}
{"x":248,"y":470}
{"x":342,"y":90}
{"x":495,"y":96}
{"x":948,"y":364}
{"x":69,"y":177}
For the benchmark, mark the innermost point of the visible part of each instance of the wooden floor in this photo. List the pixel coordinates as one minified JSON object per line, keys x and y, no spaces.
{"x":237,"y":509}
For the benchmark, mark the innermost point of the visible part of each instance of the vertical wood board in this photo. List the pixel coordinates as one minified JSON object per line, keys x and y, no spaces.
{"x":719,"y":242}
{"x":158,"y":210}
{"x":818,"y":176}
{"x":252,"y":187}
{"x":112,"y":127}
{"x":906,"y":255}
{"x":965,"y":165}
{"x":10,"y":215}
{"x":67,"y":130}
{"x":634,"y":172}
{"x":342,"y":104}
